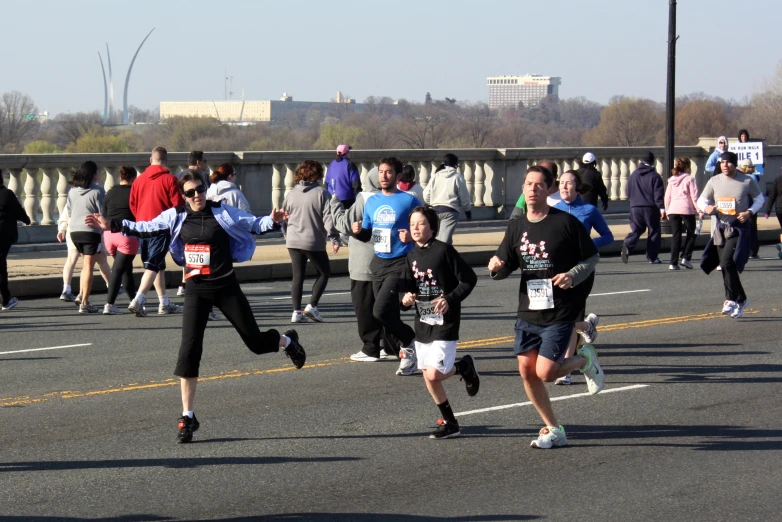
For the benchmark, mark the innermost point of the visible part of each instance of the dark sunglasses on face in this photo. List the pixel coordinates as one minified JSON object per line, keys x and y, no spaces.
{"x":192,"y":192}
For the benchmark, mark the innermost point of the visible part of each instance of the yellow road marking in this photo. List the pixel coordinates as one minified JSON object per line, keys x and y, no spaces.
{"x":476,"y":343}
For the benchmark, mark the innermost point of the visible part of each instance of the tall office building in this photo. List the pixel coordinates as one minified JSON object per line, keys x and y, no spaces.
{"x":528,"y":89}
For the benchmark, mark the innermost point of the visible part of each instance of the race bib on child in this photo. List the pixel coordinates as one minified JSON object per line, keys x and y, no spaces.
{"x":427,"y":313}
{"x":197,"y":260}
{"x":727,"y":205}
{"x":541,"y":294}
{"x":381,"y":237}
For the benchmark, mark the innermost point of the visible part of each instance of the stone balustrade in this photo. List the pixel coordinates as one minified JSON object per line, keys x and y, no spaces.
{"x":494,"y":176}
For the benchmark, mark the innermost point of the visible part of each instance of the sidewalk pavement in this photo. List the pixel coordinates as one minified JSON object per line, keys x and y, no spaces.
{"x":39,"y":273}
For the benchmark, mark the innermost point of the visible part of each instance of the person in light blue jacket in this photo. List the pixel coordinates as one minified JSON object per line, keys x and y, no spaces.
{"x":207,"y":237}
{"x":714,"y":159}
{"x":571,"y":187}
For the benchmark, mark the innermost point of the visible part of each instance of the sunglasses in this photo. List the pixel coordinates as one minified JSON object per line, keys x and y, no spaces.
{"x":192,"y":192}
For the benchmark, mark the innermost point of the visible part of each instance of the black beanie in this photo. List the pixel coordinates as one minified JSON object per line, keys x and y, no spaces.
{"x":648,"y":158}
{"x":730,"y":157}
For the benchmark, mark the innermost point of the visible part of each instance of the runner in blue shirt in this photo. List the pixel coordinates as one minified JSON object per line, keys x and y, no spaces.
{"x":386,"y":223}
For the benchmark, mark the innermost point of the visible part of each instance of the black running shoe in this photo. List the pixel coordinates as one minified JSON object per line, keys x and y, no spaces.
{"x":472,"y":381}
{"x":625,"y":255}
{"x":187,"y":427}
{"x":446,"y":430}
{"x":294,"y":350}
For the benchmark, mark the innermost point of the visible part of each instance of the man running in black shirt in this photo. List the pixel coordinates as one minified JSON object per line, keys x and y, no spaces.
{"x":555,"y":254}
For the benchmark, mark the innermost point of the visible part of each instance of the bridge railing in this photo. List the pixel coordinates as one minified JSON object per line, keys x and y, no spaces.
{"x":494,"y":176}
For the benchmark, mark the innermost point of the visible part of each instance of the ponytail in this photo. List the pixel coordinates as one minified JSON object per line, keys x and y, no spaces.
{"x":680,"y":165}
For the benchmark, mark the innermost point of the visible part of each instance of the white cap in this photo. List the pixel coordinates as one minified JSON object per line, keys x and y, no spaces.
{"x":588,"y":158}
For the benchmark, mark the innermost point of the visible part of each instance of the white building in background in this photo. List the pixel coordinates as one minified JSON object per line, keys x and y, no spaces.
{"x":251,"y":111}
{"x":529,"y":89}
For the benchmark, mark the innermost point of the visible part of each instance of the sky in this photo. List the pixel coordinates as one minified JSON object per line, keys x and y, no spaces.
{"x":402,"y":48}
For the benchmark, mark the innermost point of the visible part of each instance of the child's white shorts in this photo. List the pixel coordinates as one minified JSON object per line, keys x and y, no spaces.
{"x":437,"y":354}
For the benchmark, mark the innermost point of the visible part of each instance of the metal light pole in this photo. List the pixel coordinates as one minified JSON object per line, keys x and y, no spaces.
{"x":670,"y":95}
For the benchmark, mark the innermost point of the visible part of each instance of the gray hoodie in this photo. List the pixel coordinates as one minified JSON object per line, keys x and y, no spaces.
{"x":447,"y":188}
{"x":229,"y":194}
{"x":310,"y":217}
{"x":360,"y":253}
{"x":82,"y":202}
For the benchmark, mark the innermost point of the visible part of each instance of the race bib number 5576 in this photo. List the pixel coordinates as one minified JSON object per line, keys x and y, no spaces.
{"x":198,"y":259}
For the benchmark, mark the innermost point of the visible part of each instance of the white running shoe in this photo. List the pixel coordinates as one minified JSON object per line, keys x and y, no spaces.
{"x":739,"y":310}
{"x":719,"y":269}
{"x":298,"y":317}
{"x":408,"y":363}
{"x":214,"y":316}
{"x":180,"y":291}
{"x":686,"y":264}
{"x":77,"y":300}
{"x":590,"y":335}
{"x":170,"y":308}
{"x":593,"y":373}
{"x":137,"y":305}
{"x":11,"y":303}
{"x":564,"y":381}
{"x":110,"y":309}
{"x":88,"y":309}
{"x":312,"y":312}
{"x":386,"y":356}
{"x":673,"y":267}
{"x":67,"y":297}
{"x":728,"y":307}
{"x":362,"y":357}
{"x":550,"y":437}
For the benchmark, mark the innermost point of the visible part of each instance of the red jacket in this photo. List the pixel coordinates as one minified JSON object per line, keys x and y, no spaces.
{"x":153,"y":192}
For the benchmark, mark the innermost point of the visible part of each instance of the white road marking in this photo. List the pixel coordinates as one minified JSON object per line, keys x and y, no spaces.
{"x":564,"y":398}
{"x":305,"y":296}
{"x":625,"y":292}
{"x":50,"y":348}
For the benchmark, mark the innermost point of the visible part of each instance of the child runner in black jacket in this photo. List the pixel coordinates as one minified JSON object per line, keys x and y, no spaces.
{"x":438,"y":281}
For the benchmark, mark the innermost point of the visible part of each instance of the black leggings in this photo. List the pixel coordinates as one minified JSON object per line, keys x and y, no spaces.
{"x":387,"y":283}
{"x":225,"y":294}
{"x":122,"y":271}
{"x":320,"y":260}
{"x":676,"y":221}
{"x":5,"y":247}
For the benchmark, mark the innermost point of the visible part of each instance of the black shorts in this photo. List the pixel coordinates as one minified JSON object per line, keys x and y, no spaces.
{"x":87,"y":243}
{"x":550,"y":341}
{"x":153,"y":252}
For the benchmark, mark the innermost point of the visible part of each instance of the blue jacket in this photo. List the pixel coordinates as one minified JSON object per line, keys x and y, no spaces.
{"x":343,"y":179}
{"x":239,"y":225}
{"x":713,"y":162}
{"x":645,"y":188}
{"x":591,"y":217}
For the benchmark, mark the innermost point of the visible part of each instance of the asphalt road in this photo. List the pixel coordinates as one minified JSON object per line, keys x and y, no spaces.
{"x":689,"y":425}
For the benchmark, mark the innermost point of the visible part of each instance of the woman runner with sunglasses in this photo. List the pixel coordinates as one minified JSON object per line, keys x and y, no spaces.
{"x":206,"y":237}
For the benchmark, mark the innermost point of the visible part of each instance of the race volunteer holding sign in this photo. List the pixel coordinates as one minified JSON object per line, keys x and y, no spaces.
{"x":555,"y":254}
{"x":386,"y":223}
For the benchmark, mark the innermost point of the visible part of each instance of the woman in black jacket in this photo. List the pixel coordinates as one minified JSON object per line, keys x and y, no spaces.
{"x":11,"y":211}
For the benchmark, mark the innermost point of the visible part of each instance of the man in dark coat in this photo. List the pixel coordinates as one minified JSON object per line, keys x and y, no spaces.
{"x":592,"y":177}
{"x":646,"y":193}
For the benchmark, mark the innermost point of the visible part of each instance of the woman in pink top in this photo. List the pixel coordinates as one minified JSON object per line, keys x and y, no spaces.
{"x":680,"y":206}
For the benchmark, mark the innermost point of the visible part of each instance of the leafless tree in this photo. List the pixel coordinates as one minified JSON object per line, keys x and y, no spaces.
{"x":628,"y":122}
{"x":478,"y":122}
{"x":18,"y":121}
{"x":424,"y":126}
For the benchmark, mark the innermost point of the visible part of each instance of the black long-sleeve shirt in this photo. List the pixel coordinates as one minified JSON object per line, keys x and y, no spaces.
{"x":775,"y":196}
{"x":116,"y":204}
{"x":433,"y":271}
{"x":11,"y":211}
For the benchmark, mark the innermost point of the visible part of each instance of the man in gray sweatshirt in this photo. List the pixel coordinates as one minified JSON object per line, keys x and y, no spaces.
{"x":369,"y":329}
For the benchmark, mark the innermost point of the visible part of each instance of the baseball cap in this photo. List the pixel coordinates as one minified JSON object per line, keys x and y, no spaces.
{"x":588,"y":158}
{"x":343,"y":149}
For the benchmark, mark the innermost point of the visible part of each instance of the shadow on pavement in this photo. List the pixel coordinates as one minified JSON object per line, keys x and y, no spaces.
{"x":322,"y":517}
{"x":716,"y":438}
{"x":121,"y":518}
{"x":708,"y":374}
{"x":62,"y":465}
